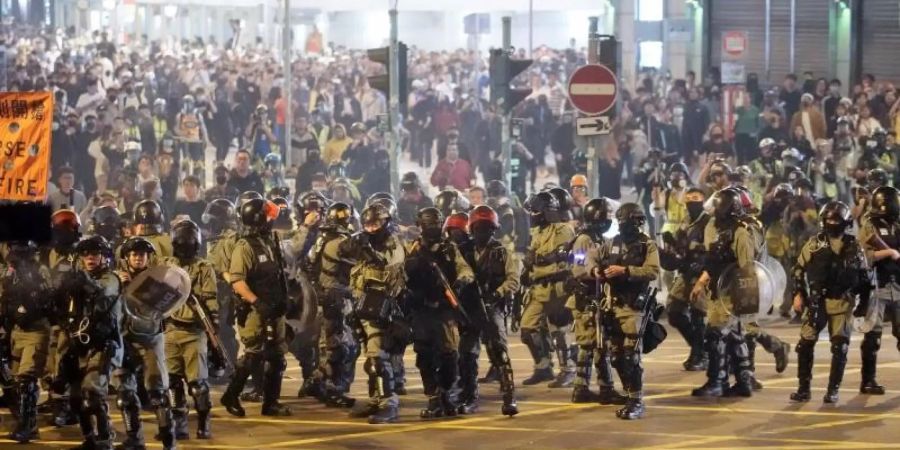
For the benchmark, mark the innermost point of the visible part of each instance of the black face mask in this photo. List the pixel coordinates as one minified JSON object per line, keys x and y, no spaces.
{"x":482,"y":235}
{"x":431,"y":234}
{"x":378,"y":237}
{"x":184,"y":251}
{"x":64,"y":237}
{"x":694,"y":209}
{"x":629,"y":231}
{"x":459,"y":237}
{"x":834,"y":230}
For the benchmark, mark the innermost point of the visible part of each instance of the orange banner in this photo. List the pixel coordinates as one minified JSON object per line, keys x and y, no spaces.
{"x":25,"y":124}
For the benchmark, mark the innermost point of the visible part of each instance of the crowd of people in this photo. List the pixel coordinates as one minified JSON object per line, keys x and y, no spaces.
{"x":378,"y":271}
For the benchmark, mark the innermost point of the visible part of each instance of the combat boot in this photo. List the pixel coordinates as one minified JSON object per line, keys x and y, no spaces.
{"x":782,"y":357}
{"x":607,"y":395}
{"x":468,"y":405}
{"x":204,"y":423}
{"x":716,"y":368}
{"x":433,"y":409}
{"x":509,"y":406}
{"x":336,"y":399}
{"x":448,"y":403}
{"x":385,"y":414}
{"x":62,"y":413}
{"x":492,"y":375}
{"x":181,"y":424}
{"x":26,"y":427}
{"x":870,"y":347}
{"x":360,"y":410}
{"x":583,"y":394}
{"x":805,"y":349}
{"x":803,"y":392}
{"x":232,"y":403}
{"x":539,"y":376}
{"x":311,"y":387}
{"x":633,"y":409}
{"x":272,"y":392}
{"x":252,"y":396}
{"x":566,"y":375}
{"x":839,"y":347}
{"x":743,"y":386}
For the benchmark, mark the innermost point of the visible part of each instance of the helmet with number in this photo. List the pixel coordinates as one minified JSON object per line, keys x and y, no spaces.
{"x":484,"y":215}
{"x":596,"y":215}
{"x":65,"y":228}
{"x":450,"y":201}
{"x":875,"y":178}
{"x":766,"y":143}
{"x":727,"y":205}
{"x":258,"y":214}
{"x":835,"y":218}
{"x":311,"y":201}
{"x":136,"y":244}
{"x":565,"y":203}
{"x":283,"y":221}
{"x":885,"y":203}
{"x":95,"y":245}
{"x":542,"y":206}
{"x":457,"y":221}
{"x":410,"y":182}
{"x":272,"y":160}
{"x":339,"y":216}
{"x":578,"y":181}
{"x":630,"y":217}
{"x":219,"y":216}
{"x":186,"y":240}
{"x":278,"y":191}
{"x":496,"y":189}
{"x":149,"y":214}
{"x":106,"y":221}
{"x":376,"y":221}
{"x":783,"y":191}
{"x":336,"y":170}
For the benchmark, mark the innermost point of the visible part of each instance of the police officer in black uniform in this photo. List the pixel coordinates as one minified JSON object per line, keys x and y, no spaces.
{"x":831,"y":270}
{"x":434,"y":316}
{"x":258,"y":279}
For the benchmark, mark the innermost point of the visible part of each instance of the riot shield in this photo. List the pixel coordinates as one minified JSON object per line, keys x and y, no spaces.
{"x":154,"y":295}
{"x":867,"y":323}
{"x":779,"y":279}
{"x":303,"y":312}
{"x":751,"y":289}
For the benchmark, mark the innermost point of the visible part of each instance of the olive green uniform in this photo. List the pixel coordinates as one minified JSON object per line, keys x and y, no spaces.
{"x":545,"y":299}
{"x":885,"y":302}
{"x":186,"y":344}
{"x":378,"y":273}
{"x":219,"y":255}
{"x":30,"y":339}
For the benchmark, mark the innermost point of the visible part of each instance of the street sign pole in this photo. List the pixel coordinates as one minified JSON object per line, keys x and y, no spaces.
{"x":505,"y":141}
{"x":286,"y":152}
{"x":393,"y":140}
{"x":594,"y":143}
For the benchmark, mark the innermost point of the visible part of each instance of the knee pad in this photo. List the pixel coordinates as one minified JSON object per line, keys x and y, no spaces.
{"x":383,"y":366}
{"x":159,"y":399}
{"x":94,"y":402}
{"x":527,"y":336}
{"x":369,"y":366}
{"x":127,"y":399}
{"x":871,"y":342}
{"x":805,"y":345}
{"x":198,"y":388}
{"x":338,"y":354}
{"x":839,"y":346}
{"x":559,"y":338}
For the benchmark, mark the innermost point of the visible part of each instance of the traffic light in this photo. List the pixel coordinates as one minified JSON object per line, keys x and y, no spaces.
{"x":502,"y":70}
{"x":383,"y":82}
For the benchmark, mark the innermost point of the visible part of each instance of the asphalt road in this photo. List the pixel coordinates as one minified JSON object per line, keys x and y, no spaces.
{"x":547,"y":420}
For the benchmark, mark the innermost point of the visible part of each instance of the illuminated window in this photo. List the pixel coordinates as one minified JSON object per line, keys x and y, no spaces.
{"x":650,"y":10}
{"x":651,"y":54}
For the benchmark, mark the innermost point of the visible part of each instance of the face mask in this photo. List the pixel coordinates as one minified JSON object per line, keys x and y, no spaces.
{"x":221,"y":179}
{"x":482,"y":235}
{"x":629,"y":231}
{"x":431,"y":234}
{"x":458,"y":236}
{"x":833,"y":230}
{"x":694,"y":209}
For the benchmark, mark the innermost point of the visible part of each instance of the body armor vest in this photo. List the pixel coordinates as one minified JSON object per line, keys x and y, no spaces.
{"x":721,"y":253}
{"x":830,"y":274}
{"x":422,"y":279}
{"x":266,"y":278}
{"x":490,"y":267}
{"x":25,"y":300}
{"x":887,"y":270}
{"x":624,"y":291}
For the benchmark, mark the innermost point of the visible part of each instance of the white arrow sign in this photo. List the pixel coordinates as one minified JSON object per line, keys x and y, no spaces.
{"x":593,"y":126}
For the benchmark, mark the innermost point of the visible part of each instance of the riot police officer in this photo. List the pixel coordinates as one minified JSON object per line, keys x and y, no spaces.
{"x":186,"y":339}
{"x":880,"y":238}
{"x":377,"y":280}
{"x":145,"y":352}
{"x":683,"y":254}
{"x":628,"y":263}
{"x":90,"y":312}
{"x":106,"y":221}
{"x":62,"y":261}
{"x":431,"y":262}
{"x":149,"y":224}
{"x":330,"y":271}
{"x":25,"y":313}
{"x":544,"y":308}
{"x":585,"y":304}
{"x":829,"y":274}
{"x":450,"y":201}
{"x":727,"y":241}
{"x":220,"y":226}
{"x":497,"y":275}
{"x":258,"y":279}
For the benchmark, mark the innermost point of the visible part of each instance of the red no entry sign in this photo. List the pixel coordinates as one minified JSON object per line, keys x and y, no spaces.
{"x":593,"y":89}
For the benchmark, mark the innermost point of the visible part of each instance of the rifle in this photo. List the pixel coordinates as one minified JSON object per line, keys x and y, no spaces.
{"x":219,"y":354}
{"x":451,"y":297}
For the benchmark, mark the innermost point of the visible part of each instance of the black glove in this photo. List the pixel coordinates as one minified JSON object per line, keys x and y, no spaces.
{"x":861,"y":309}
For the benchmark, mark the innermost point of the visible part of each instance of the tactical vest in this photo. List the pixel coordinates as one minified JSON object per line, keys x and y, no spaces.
{"x":25,"y":297}
{"x":335,"y":269}
{"x":693,"y":264}
{"x":423,"y":281}
{"x":830,"y":274}
{"x":886,"y":269}
{"x":490,"y":267}
{"x":266,"y":278}
{"x":624,"y":291}
{"x":721,"y":253}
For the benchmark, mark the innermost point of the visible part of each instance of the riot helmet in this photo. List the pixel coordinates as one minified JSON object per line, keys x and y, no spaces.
{"x":885,"y":203}
{"x":339,"y":216}
{"x":95,"y":253}
{"x":542,"y":207}
{"x":376,"y":222}
{"x":835,"y":218}
{"x":596,"y":216}
{"x":679,"y":176}
{"x":456,"y":227}
{"x":149,"y":214}
{"x":496,"y":189}
{"x":65,"y":228}
{"x":727,"y":206}
{"x":876,"y":178}
{"x":483,"y":222}
{"x":278,"y":191}
{"x":565,"y":203}
{"x":186,"y":240}
{"x":247,"y":195}
{"x":219,"y":216}
{"x":630,"y":218}
{"x":106,"y":221}
{"x":451,"y":201}
{"x":430,"y":221}
{"x":257,"y":214}
{"x":283,"y":221}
